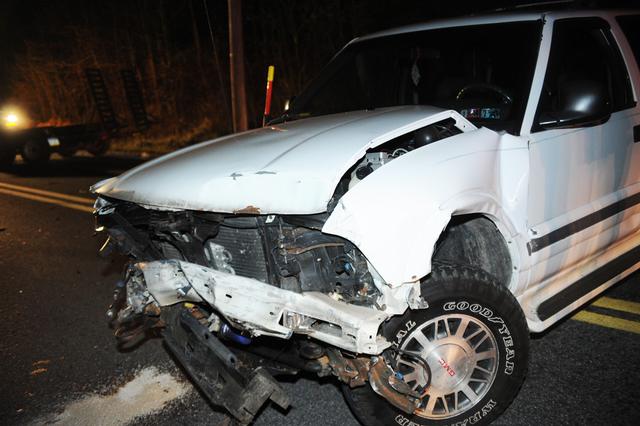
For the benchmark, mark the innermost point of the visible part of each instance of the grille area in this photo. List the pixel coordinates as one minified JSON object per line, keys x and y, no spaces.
{"x":247,"y":254}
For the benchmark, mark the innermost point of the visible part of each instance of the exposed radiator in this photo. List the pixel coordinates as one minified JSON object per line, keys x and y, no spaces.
{"x":247,"y":253}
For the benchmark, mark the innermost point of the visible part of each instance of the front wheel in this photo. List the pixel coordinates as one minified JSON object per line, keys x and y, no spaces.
{"x":465,"y":355}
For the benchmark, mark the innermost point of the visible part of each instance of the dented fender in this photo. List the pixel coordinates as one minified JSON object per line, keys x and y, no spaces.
{"x":397,"y":213}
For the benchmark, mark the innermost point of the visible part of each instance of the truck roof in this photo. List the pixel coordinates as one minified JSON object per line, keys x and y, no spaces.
{"x":496,"y":18}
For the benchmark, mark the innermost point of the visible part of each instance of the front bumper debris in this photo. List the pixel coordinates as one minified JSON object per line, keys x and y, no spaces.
{"x":263,"y":309}
{"x":215,"y":369}
{"x":260,"y":309}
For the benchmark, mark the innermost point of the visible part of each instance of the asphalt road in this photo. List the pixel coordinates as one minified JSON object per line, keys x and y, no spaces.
{"x":59,"y":363}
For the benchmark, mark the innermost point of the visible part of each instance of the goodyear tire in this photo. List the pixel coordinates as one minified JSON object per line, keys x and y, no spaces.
{"x":473,"y":341}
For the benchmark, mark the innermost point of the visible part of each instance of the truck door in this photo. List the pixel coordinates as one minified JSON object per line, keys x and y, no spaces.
{"x":584,"y":164}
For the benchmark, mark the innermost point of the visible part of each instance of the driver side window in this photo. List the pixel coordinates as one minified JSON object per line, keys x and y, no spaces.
{"x":584,"y":57}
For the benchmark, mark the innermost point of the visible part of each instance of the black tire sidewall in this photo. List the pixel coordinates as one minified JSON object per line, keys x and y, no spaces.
{"x":468,"y":293}
{"x":36,"y":151}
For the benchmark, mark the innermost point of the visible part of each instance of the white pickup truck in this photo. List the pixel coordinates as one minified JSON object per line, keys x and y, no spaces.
{"x":437,"y":194}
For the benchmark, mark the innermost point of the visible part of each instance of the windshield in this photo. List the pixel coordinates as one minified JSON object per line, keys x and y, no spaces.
{"x":484,"y":72}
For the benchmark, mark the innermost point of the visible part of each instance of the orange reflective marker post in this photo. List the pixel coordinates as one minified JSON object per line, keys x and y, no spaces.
{"x":267,"y":101}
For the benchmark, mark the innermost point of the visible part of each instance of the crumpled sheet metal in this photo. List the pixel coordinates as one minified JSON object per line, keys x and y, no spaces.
{"x":259,"y":307}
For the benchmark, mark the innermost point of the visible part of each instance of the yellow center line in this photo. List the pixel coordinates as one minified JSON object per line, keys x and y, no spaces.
{"x":607,"y":321}
{"x":618,"y":305}
{"x":48,"y":200}
{"x":73,"y":198}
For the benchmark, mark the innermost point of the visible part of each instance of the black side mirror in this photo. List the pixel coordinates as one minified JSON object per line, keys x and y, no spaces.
{"x":582,"y":103}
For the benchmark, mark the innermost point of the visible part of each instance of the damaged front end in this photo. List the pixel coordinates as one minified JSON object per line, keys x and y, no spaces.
{"x":265,"y":275}
{"x":217,"y":283}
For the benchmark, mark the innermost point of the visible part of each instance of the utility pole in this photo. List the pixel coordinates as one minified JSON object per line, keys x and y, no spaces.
{"x":236,"y":67}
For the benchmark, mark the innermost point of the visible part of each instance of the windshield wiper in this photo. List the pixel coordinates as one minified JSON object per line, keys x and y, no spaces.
{"x":287,"y":116}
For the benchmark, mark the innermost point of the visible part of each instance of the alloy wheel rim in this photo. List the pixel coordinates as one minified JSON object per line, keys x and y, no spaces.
{"x":462,"y":357}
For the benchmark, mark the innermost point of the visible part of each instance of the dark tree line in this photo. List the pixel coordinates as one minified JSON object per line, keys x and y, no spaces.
{"x":179,"y":53}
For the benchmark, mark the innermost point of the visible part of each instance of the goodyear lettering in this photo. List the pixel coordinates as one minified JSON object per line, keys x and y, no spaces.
{"x":508,"y":341}
{"x":400,"y":335}
{"x":488,"y":407}
{"x":478,"y":309}
{"x":403,"y":421}
{"x":510,"y":353}
{"x":508,"y":367}
{"x":471,"y":420}
{"x":504,"y":329}
{"x":475,"y":418}
{"x":475,"y":308}
{"x":487,"y":313}
{"x":462,"y":306}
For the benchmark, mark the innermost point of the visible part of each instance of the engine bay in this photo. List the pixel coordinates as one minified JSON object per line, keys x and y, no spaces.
{"x":289,"y":252}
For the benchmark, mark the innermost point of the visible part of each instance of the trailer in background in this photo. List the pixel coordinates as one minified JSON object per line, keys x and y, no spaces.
{"x":36,"y":144}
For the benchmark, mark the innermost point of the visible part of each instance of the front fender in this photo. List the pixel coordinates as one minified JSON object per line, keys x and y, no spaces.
{"x":397,"y":213}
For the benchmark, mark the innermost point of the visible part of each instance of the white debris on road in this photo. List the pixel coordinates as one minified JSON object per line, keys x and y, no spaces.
{"x":150,"y":391}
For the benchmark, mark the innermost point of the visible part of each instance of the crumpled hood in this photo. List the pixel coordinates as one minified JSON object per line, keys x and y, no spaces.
{"x":292,"y":168}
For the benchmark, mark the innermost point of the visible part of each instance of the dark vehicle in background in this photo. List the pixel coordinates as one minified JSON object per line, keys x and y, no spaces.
{"x":36,"y":144}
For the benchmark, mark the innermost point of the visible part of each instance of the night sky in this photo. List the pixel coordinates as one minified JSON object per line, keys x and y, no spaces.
{"x":168,"y":44}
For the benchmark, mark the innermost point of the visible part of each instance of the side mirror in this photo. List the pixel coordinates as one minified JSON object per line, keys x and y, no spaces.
{"x":581,"y":103}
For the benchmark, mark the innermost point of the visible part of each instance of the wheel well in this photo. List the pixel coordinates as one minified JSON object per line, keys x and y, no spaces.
{"x":475,"y":241}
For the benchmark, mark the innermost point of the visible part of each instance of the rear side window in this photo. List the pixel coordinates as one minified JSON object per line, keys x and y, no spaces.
{"x":584,"y":49}
{"x":631,"y":28}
